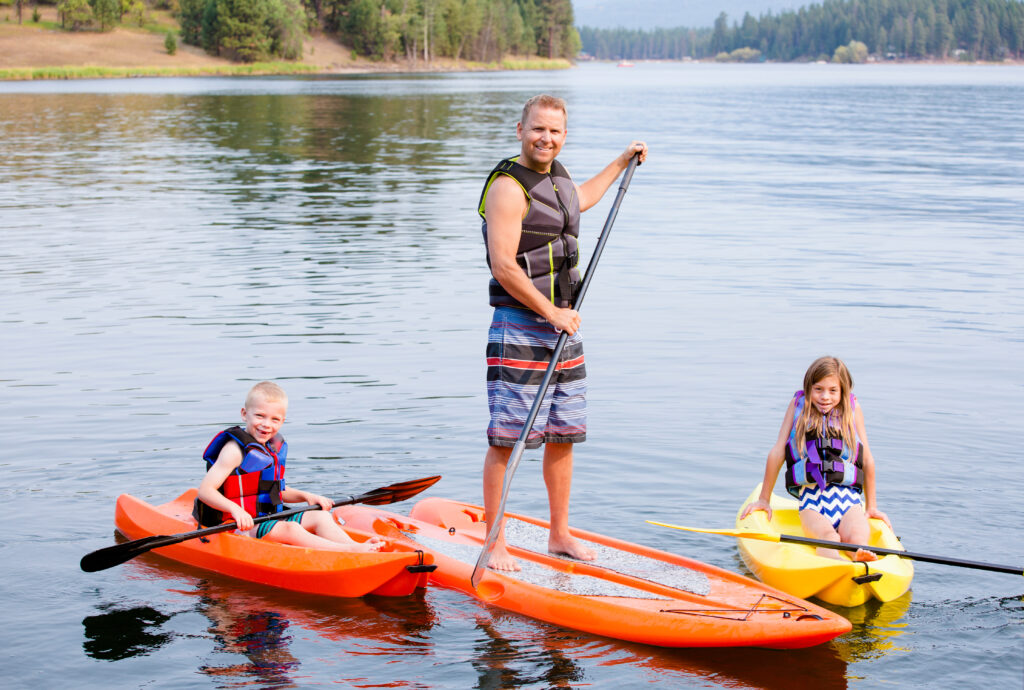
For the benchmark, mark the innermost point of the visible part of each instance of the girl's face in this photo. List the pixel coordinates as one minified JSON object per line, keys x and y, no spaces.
{"x":826,"y":393}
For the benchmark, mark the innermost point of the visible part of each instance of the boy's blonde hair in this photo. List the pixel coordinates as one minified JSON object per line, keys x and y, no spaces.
{"x":841,"y":417}
{"x":544,"y":101}
{"x":266,"y":391}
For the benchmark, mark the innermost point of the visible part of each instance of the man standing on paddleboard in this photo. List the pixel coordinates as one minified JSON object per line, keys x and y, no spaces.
{"x":531,"y":209}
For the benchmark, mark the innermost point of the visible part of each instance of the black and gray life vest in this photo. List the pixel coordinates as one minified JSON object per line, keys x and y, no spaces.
{"x":548,"y":246}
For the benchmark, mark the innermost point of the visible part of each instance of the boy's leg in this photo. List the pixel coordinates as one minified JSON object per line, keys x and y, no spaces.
{"x":287,"y":532}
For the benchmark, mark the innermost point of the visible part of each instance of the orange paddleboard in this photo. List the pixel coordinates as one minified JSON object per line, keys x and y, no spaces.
{"x":330,"y":573}
{"x":630,"y":592}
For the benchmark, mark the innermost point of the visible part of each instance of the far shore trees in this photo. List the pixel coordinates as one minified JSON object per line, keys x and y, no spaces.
{"x":905,"y":29}
{"x":479,"y":30}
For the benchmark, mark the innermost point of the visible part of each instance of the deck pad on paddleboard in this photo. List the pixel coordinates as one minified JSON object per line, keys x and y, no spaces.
{"x":534,"y":538}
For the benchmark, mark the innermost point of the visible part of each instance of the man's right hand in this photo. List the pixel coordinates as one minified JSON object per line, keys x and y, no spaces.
{"x":567,"y":320}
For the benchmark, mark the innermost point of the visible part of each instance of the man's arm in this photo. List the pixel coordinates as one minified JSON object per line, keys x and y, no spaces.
{"x":593,"y":189}
{"x":504,"y":210}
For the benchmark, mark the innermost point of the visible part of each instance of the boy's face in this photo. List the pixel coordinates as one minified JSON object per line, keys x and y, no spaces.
{"x":263,"y":418}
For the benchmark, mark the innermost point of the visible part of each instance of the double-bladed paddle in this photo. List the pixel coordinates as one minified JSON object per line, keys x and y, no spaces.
{"x":119,"y":553}
{"x":520,"y":446}
{"x":768,"y":536}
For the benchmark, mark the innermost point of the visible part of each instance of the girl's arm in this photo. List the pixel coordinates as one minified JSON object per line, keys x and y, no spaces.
{"x":229,"y":458}
{"x":868,"y":465}
{"x":776,"y":456}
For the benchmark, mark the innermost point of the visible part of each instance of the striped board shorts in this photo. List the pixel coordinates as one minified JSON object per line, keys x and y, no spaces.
{"x":263,"y":529}
{"x":519,"y":347}
{"x":833,"y":502}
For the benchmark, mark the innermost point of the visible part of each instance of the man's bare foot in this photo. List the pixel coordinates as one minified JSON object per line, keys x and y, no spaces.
{"x":501,"y":559}
{"x":862,"y":555}
{"x":569,"y":546}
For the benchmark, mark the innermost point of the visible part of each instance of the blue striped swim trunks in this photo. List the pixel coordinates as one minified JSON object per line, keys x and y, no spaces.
{"x":519,"y":347}
{"x":263,"y":529}
{"x":834,"y":502}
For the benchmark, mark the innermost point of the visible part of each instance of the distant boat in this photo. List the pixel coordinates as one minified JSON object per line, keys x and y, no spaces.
{"x":626,"y":63}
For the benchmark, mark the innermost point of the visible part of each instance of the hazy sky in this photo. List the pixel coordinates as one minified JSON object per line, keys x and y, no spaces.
{"x":650,"y":14}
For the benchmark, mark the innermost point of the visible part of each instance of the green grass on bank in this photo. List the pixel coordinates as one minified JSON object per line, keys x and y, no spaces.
{"x":255,"y":68}
{"x":90,"y":72}
{"x":534,"y":63}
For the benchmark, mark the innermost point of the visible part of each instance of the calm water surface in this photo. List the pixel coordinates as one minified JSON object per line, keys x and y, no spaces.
{"x":169,"y":242}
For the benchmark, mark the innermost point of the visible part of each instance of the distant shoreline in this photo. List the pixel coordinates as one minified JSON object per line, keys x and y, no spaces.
{"x":42,"y":51}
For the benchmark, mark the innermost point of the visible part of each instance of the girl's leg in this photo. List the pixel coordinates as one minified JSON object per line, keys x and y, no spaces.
{"x":817,"y":526}
{"x":854,"y":529}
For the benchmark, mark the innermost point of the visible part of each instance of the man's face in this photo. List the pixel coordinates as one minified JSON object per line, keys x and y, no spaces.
{"x":542,"y":134}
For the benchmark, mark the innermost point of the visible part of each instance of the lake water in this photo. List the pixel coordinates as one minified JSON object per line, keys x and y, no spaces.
{"x":168,"y":242}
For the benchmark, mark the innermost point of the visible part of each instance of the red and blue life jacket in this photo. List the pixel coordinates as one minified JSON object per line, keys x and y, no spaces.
{"x":822,"y":461}
{"x":256,"y":483}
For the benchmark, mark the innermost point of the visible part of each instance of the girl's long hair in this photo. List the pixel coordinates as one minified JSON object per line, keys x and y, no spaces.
{"x":840,"y":418}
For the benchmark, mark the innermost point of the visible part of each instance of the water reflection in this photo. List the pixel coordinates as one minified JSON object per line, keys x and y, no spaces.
{"x":259,"y":635}
{"x":876,"y":627}
{"x":122,"y":633}
{"x":262,"y":625}
{"x":505,"y":663}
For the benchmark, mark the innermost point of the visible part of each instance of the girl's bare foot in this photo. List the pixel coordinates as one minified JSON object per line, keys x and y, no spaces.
{"x":862,"y":555}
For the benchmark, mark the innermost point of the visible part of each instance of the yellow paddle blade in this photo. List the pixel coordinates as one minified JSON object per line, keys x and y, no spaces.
{"x":741,"y":533}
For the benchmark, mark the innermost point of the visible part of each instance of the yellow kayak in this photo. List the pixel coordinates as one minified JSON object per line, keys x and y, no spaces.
{"x":798,"y":570}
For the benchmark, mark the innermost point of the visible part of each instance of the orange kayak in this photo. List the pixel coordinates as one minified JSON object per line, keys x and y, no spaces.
{"x":330,"y":573}
{"x":630,"y":592}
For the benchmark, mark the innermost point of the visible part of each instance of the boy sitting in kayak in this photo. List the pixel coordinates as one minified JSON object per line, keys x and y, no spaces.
{"x":829,"y":466}
{"x":245,"y":479}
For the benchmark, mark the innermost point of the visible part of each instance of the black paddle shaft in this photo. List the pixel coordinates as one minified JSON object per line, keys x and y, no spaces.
{"x":978,"y":565}
{"x":520,"y":446}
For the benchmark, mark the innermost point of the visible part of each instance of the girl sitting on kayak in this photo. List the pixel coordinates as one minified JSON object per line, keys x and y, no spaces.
{"x":829,"y":466}
{"x":245,"y":479}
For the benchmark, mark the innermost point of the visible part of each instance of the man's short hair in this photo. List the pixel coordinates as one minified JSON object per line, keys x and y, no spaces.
{"x":544,"y":101}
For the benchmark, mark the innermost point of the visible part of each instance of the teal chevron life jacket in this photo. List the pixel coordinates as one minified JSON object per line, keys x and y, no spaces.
{"x":822,"y":461}
{"x":548,"y":249}
{"x":256,"y":484}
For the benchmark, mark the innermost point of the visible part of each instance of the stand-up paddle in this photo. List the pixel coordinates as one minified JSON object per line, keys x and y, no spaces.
{"x":119,"y":553}
{"x":520,"y":446}
{"x":767,"y":536}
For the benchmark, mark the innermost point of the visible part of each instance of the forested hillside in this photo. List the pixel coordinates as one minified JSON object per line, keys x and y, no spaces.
{"x":249,"y":30}
{"x":981,"y":29}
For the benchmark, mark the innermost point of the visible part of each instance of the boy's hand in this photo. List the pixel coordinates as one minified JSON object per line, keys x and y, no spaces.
{"x":319,"y":500}
{"x":242,"y":519}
